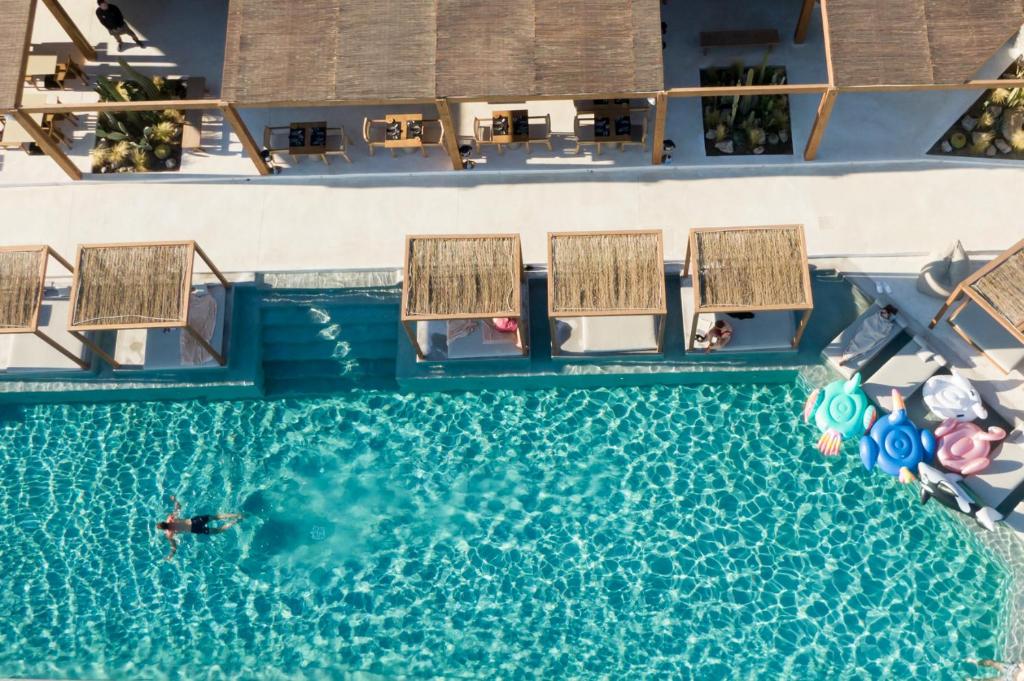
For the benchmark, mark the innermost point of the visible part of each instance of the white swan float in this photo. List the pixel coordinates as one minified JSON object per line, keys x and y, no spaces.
{"x":953,"y":397}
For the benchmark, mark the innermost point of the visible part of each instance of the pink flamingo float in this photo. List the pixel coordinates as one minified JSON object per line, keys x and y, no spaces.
{"x":964,"y":447}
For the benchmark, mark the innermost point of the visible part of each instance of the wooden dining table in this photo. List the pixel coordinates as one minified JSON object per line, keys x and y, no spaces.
{"x":516,"y":130}
{"x":404,"y":141}
{"x":307,"y":139}
{"x":611,"y":114}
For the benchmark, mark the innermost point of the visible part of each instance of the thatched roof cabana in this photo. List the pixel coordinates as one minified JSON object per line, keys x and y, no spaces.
{"x":607,"y":289}
{"x":998,"y":289}
{"x":136,"y":286}
{"x":15,"y":33}
{"x":749,"y":269}
{"x":917,"y":42}
{"x":419,"y":50}
{"x":22,"y":283}
{"x":606,"y":273}
{"x":451,"y":277}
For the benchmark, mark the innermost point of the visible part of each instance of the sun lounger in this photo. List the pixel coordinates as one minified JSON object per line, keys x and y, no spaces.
{"x":906,"y":371}
{"x":990,"y":338}
{"x":833,"y":352}
{"x":611,"y":335}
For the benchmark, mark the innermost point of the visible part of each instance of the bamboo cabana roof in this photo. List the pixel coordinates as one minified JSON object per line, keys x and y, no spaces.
{"x":462,"y":277}
{"x":606,"y":273}
{"x":917,"y":42}
{"x":141,"y":285}
{"x":999,"y":289}
{"x":417,"y":50}
{"x":22,"y":278}
{"x":15,"y":32}
{"x":750,"y":268}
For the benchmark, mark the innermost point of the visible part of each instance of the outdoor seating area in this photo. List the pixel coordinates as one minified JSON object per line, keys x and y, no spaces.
{"x":33,"y":316}
{"x":510,"y":128}
{"x":989,"y":312}
{"x":752,"y":280}
{"x":606,"y":293}
{"x":307,"y":139}
{"x":144,"y":293}
{"x":462,"y":297}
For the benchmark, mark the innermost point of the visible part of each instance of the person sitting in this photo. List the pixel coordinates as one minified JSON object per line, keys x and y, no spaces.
{"x":873,"y":332}
{"x":199,"y":524}
{"x":1007,"y":671}
{"x":717,"y":337}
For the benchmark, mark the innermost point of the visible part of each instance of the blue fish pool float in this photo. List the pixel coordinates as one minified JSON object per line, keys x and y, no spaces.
{"x":896,"y":445}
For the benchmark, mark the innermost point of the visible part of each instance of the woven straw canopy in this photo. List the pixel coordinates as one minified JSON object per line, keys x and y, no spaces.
{"x":132,"y":286}
{"x":750,"y":268}
{"x":917,"y":42}
{"x":15,"y":30}
{"x":398,"y":50}
{"x":22,"y":277}
{"x":462,"y":277}
{"x":606,"y":273}
{"x":1002,"y":287}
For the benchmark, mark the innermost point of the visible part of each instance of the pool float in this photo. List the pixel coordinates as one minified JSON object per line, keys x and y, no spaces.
{"x":840,"y":410}
{"x":505,"y":324}
{"x":946,"y":489}
{"x":964,"y":447}
{"x":953,"y":397}
{"x":895,"y":444}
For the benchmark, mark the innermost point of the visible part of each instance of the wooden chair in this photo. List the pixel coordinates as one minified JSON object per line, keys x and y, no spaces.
{"x":433,"y":135}
{"x":275,"y":138}
{"x":638,"y":135}
{"x":583,"y":128}
{"x":374,"y":134}
{"x":483,"y":134}
{"x":540,"y":131}
{"x":337,"y":143}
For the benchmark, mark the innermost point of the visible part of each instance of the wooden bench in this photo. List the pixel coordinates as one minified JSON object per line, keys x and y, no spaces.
{"x":192,"y":129}
{"x":749,"y":38}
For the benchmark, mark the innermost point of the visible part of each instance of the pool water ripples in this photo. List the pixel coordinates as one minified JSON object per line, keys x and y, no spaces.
{"x":669,"y":532}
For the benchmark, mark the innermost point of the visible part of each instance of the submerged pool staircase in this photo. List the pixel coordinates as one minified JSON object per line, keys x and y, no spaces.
{"x":328,"y":340}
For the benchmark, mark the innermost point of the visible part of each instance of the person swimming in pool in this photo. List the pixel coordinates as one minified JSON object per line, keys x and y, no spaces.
{"x":1006,"y":670}
{"x":199,"y":524}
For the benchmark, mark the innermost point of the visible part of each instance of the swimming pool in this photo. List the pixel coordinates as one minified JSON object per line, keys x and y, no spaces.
{"x":685,"y":532}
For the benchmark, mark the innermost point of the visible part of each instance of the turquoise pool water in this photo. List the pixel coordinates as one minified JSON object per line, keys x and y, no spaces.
{"x":683,"y":532}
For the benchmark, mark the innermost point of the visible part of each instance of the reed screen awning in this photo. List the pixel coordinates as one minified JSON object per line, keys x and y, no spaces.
{"x":125,"y":286}
{"x":15,"y":32}
{"x":606,"y":273}
{"x":22,"y":278}
{"x":749,"y":268}
{"x":347,"y":51}
{"x":998,"y":288}
{"x":917,"y":42}
{"x":462,"y":277}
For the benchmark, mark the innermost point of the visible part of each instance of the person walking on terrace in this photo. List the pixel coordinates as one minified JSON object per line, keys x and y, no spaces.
{"x":110,"y":16}
{"x":199,"y":524}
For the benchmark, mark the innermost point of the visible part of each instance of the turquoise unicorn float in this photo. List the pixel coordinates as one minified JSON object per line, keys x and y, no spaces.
{"x":896,"y":445}
{"x":841,"y":410}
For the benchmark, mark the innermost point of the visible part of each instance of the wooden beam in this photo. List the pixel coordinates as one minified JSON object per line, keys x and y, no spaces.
{"x":658,"y":139}
{"x":693,"y":331}
{"x":47,"y":144}
{"x":801,"y":327}
{"x":142,"y":105}
{"x":802,"y":23}
{"x":61,"y":349}
{"x":96,"y":349}
{"x":828,"y":100}
{"x":87,"y":50}
{"x":412,"y":339}
{"x":213,"y":268}
{"x":746,"y":90}
{"x":451,"y":137}
{"x":929,"y":87}
{"x":248,"y":143}
{"x":206,"y":345}
{"x":59,"y":258}
{"x":826,"y":36}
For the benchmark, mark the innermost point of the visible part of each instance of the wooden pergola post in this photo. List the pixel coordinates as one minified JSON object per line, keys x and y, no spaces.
{"x":206,"y":345}
{"x":61,"y":349}
{"x":87,"y":50}
{"x":828,"y":100}
{"x":451,"y":140}
{"x":248,"y":143}
{"x":95,"y":348}
{"x":47,"y":144}
{"x":801,"y":327}
{"x":658,"y":139}
{"x":806,"y":11}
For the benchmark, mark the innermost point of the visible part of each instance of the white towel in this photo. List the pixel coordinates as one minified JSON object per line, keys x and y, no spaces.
{"x":872,"y":333}
{"x":202,"y":316}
